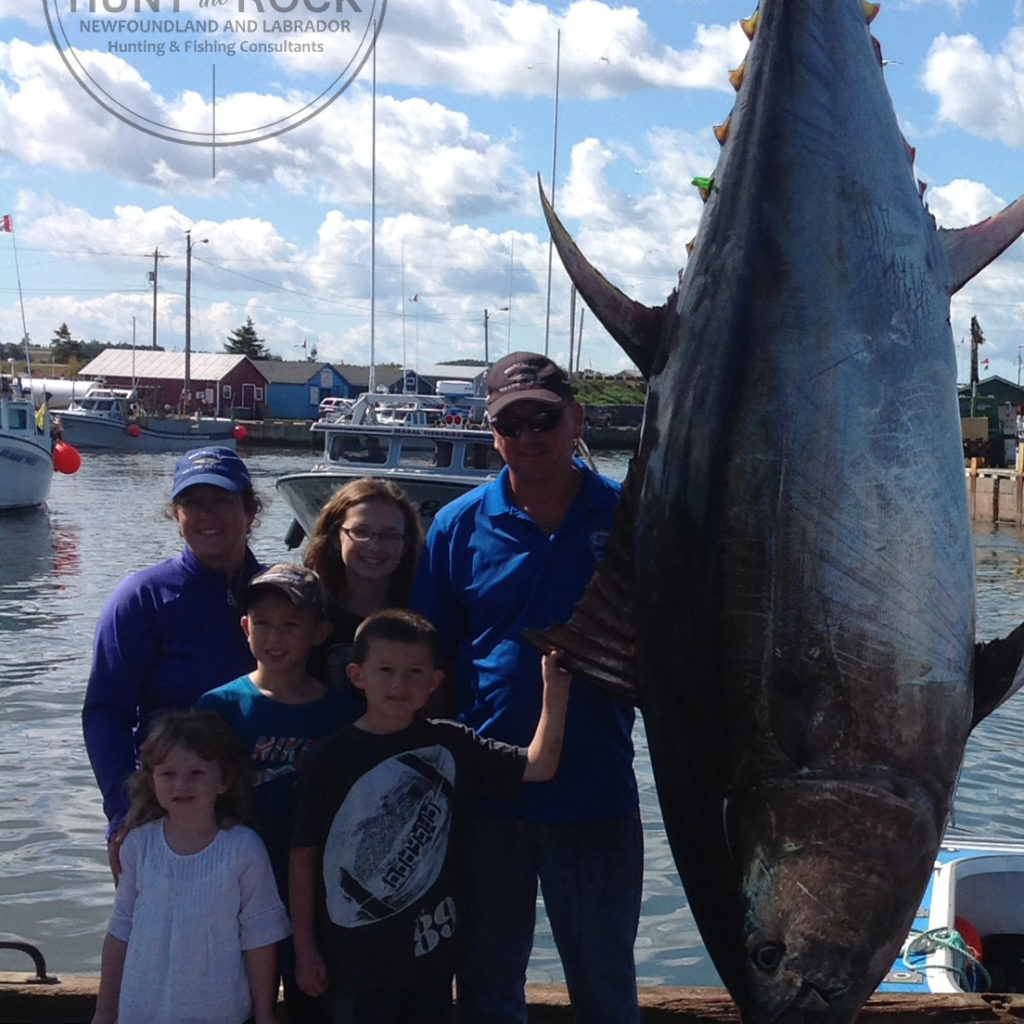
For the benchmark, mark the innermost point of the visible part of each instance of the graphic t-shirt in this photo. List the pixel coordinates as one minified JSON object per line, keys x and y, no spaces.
{"x":276,"y":736}
{"x":389,"y":814}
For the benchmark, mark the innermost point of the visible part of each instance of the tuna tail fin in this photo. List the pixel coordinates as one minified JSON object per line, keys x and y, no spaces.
{"x":971,"y":249}
{"x":637,"y":328}
{"x":998,"y":672}
{"x":598,"y":640}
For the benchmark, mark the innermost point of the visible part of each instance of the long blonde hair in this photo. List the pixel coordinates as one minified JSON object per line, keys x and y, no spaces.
{"x":206,"y":735}
{"x":322,"y":551}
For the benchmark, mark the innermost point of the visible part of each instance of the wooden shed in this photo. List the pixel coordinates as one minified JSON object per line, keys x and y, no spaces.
{"x":295,"y":389}
{"x":220,"y":384}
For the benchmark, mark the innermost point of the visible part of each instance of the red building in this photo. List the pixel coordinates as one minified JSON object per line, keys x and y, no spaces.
{"x":220,"y":384}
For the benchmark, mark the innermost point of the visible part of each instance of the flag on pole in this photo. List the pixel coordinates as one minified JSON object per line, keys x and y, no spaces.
{"x":6,"y":224}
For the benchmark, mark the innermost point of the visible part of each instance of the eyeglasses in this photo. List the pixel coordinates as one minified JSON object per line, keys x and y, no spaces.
{"x":538,"y":423}
{"x":363,"y":535}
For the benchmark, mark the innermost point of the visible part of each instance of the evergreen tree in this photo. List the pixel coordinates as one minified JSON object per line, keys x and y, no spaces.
{"x":65,"y":349}
{"x":246,"y":342}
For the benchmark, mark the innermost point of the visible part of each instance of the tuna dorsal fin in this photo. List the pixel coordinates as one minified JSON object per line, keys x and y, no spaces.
{"x":998,"y":672}
{"x":637,"y":328}
{"x":971,"y":249}
{"x":598,"y":640}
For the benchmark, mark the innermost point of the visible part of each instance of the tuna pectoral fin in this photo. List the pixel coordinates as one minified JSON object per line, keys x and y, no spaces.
{"x":969,"y":250}
{"x":598,"y":640}
{"x":998,"y":672}
{"x":637,"y":328}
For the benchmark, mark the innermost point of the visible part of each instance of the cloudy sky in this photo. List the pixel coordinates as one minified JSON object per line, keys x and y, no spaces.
{"x":465,"y":120}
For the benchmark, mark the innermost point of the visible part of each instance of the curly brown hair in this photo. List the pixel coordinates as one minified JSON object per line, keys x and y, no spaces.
{"x":206,"y":735}
{"x":322,"y":551}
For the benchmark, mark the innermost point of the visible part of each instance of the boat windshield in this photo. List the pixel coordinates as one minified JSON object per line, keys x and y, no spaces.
{"x":360,"y":447}
{"x":356,"y":447}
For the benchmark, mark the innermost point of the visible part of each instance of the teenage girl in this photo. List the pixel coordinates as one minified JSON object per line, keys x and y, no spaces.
{"x":196,"y":913}
{"x":364,"y":546}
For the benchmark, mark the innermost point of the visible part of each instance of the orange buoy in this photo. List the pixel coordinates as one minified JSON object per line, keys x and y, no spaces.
{"x":134,"y":430}
{"x":240,"y":432}
{"x":66,"y":458}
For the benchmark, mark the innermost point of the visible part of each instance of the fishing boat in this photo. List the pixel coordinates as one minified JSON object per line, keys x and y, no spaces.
{"x":26,"y":461}
{"x":114,"y":419}
{"x":968,"y":936}
{"x":390,"y":436}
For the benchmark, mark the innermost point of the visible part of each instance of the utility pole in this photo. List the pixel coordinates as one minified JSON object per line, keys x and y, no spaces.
{"x":187,"y":393}
{"x":487,"y":316}
{"x":153,"y":275}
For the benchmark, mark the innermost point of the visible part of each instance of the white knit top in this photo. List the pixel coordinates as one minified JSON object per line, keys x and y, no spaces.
{"x":186,"y":920}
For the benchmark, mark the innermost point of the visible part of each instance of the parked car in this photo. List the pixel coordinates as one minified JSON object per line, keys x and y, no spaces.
{"x":334,"y":408}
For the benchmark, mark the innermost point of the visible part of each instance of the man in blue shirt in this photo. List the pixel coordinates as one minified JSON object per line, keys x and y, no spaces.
{"x":512,"y":555}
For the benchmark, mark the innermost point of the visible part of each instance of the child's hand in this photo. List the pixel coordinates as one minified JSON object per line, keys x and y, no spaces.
{"x":556,"y":679}
{"x":114,"y":852}
{"x":311,"y":974}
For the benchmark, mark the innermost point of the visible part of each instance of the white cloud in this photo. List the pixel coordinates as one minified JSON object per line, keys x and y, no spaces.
{"x":980,"y":92}
{"x":962,"y":202}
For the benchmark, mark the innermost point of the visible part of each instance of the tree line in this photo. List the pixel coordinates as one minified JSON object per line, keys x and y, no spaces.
{"x":63,"y":348}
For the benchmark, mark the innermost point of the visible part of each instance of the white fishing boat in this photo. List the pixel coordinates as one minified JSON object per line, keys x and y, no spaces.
{"x":26,"y":462}
{"x":969,"y":932}
{"x":113,"y":419}
{"x":431,"y":460}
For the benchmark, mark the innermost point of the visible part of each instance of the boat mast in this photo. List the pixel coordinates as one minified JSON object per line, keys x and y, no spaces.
{"x":8,"y":222}
{"x":554,"y":161}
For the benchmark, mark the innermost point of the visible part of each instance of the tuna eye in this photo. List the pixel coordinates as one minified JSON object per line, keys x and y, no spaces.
{"x":767,"y":956}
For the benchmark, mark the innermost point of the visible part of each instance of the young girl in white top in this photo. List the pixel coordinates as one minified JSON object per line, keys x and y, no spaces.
{"x":196,"y":913}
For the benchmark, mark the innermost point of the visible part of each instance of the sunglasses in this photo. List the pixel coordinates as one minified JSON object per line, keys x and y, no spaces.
{"x":538,"y":423}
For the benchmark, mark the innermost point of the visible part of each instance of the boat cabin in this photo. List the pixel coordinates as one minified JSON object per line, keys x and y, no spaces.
{"x":413,"y":449}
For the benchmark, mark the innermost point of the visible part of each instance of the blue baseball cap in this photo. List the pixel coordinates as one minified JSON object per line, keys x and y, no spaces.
{"x":218,"y":467}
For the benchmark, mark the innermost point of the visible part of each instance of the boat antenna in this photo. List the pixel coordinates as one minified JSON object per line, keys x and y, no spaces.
{"x":404,"y":358}
{"x":373,"y":218}
{"x":7,"y":223}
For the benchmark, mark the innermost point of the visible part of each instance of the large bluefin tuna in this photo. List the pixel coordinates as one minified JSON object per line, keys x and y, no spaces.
{"x":789,"y":592}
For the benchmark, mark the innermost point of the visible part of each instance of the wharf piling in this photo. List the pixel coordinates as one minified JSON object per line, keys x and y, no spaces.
{"x":996,"y":495}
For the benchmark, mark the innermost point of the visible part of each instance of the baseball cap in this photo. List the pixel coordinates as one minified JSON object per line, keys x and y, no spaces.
{"x":219,"y":467}
{"x":525,"y":375}
{"x":300,"y":585}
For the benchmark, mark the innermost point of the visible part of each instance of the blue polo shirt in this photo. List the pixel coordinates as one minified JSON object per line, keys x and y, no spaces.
{"x":488,"y":572}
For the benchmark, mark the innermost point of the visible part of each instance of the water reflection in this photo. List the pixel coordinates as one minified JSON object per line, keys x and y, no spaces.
{"x":26,"y":551}
{"x":58,"y":566}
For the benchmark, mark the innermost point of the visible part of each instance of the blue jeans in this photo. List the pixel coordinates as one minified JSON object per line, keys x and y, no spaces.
{"x":590,"y":874}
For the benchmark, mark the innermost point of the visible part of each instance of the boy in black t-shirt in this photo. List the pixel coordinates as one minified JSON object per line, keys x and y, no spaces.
{"x":376,"y":870}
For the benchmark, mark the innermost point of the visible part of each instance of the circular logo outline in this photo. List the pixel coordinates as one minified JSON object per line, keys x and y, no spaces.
{"x":213,"y":138}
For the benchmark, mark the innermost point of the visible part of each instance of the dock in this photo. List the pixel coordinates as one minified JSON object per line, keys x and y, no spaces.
{"x":72,"y":999}
{"x":995,"y":495}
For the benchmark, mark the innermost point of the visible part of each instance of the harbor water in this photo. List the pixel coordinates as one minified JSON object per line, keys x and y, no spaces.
{"x":59,"y":564}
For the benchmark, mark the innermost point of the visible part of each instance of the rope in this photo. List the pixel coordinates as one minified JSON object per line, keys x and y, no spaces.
{"x":968,"y":971}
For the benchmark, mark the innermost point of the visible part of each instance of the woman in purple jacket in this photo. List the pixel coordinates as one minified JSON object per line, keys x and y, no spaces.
{"x":171,"y":632}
